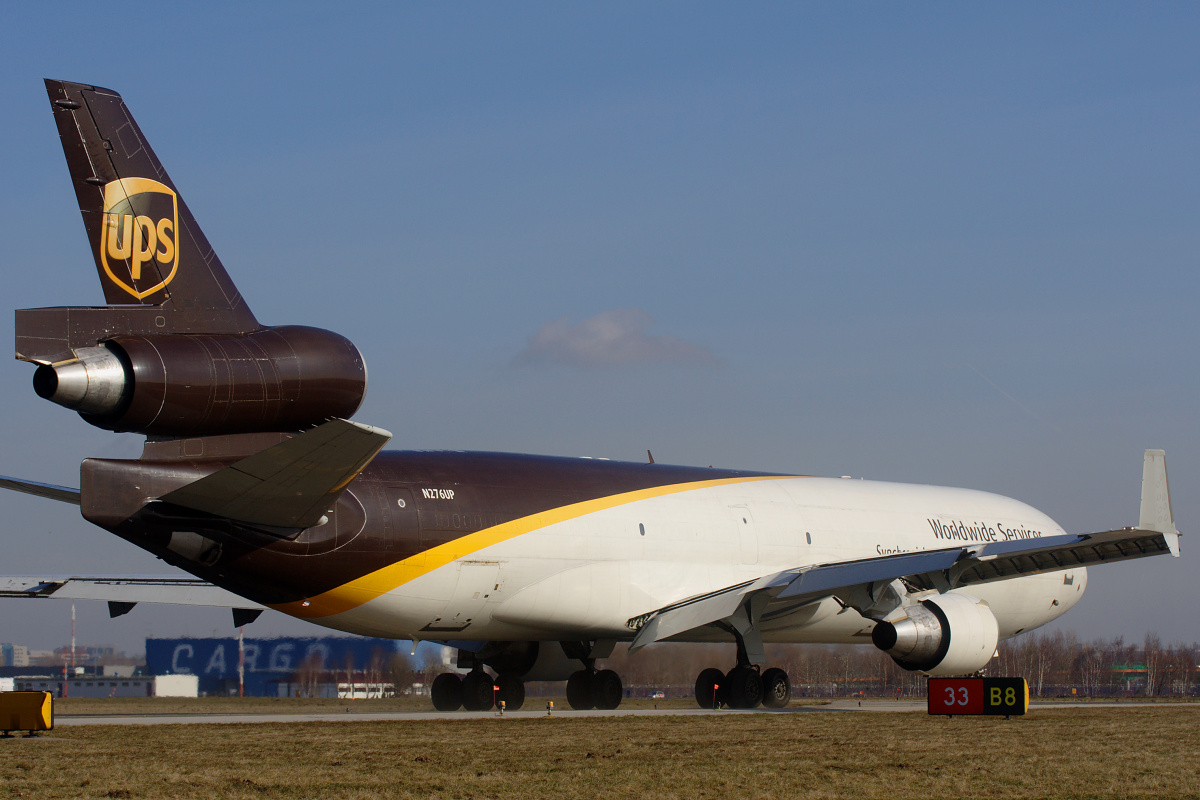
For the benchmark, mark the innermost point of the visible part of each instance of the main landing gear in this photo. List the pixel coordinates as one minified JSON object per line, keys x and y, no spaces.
{"x":476,"y":691}
{"x":744,"y":686}
{"x":588,"y":689}
{"x":747,"y":685}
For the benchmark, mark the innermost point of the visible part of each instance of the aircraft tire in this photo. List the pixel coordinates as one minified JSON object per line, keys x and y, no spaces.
{"x":744,"y":687}
{"x":776,"y":688}
{"x":579,"y":690}
{"x":606,"y":689}
{"x":706,"y":695}
{"x":477,"y":691}
{"x":446,"y":692}
{"x":512,"y":691}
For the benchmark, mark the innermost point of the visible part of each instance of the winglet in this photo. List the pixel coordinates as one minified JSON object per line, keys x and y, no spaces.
{"x":1156,"y":512}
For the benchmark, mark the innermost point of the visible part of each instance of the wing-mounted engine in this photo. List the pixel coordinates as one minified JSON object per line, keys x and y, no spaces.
{"x":950,"y":634}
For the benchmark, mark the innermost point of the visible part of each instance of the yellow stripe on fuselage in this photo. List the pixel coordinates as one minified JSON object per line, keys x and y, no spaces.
{"x":370,"y":586}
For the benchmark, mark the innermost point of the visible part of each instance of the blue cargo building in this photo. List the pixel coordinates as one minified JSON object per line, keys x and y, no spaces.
{"x":275,"y":667}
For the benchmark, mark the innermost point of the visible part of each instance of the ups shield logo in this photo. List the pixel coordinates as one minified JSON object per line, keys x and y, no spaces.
{"x":139,"y":240}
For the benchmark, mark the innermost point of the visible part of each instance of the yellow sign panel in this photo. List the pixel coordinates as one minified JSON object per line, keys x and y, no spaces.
{"x":26,"y":711}
{"x":139,"y":231}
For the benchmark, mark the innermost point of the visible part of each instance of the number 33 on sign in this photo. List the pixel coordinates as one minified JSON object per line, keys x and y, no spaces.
{"x":993,"y":696}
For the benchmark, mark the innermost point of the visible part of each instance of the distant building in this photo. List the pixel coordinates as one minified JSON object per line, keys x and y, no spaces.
{"x":96,"y":686}
{"x":84,"y":654}
{"x":285,"y":667}
{"x":14,"y":655}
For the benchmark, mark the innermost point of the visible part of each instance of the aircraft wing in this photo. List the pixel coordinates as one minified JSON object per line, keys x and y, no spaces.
{"x":867,"y":584}
{"x":861,"y":583}
{"x":124,"y":592}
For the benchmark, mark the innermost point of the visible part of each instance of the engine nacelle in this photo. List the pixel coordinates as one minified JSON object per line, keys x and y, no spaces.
{"x":274,"y":379}
{"x":951,"y":634}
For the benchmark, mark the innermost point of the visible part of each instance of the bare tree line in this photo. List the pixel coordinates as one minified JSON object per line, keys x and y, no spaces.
{"x":1055,"y":664}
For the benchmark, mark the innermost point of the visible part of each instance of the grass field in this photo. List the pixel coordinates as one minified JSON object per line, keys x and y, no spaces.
{"x":1076,"y":752}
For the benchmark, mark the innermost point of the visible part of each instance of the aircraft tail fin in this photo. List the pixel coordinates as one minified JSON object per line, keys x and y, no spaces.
{"x":1156,"y":513}
{"x":149,"y":251}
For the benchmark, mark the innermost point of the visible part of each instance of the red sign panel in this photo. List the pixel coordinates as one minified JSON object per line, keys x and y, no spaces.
{"x":956,"y":696}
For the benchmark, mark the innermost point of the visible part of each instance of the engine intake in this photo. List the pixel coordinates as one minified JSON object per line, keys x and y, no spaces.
{"x":275,"y":379}
{"x":951,"y":634}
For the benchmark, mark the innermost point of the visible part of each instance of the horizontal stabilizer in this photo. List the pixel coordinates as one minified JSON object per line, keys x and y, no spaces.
{"x":291,"y":485}
{"x":63,"y":494}
{"x":126,"y":589}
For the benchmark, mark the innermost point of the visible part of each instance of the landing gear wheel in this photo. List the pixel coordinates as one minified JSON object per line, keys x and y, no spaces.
{"x":710,"y":688}
{"x":579,"y":690}
{"x":477,"y":691}
{"x":776,"y":688}
{"x":606,"y":689}
{"x":744,"y":687}
{"x":512,"y":692}
{"x":446,"y":692}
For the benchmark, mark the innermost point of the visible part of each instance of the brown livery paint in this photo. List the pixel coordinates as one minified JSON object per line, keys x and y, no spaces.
{"x":122,"y":188}
{"x":369,"y":531}
{"x":281,"y":378}
{"x":193,"y":369}
{"x":192,"y":360}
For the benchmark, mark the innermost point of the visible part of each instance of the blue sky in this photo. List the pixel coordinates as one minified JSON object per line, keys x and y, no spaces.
{"x":935,"y":243}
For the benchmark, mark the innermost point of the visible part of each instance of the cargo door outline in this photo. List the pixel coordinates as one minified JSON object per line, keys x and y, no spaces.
{"x":747,"y":533}
{"x":478,"y":580}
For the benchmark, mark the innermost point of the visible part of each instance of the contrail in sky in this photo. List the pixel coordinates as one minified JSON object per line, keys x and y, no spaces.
{"x":1014,"y":400}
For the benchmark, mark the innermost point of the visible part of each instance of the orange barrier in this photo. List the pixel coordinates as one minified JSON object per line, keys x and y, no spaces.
{"x":26,"y":711}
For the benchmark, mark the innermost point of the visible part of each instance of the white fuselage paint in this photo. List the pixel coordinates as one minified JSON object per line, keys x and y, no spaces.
{"x":585,"y":577}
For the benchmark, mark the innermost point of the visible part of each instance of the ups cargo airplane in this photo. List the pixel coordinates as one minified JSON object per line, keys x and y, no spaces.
{"x":253,"y":480}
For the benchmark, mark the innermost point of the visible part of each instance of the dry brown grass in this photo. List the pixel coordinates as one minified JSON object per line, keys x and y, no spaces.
{"x":1078,"y":752}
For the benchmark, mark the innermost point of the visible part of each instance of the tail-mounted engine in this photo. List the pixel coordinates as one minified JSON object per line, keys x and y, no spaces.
{"x":177,"y":385}
{"x":951,"y":634}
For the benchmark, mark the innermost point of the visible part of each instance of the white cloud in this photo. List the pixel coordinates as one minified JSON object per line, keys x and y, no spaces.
{"x":611,"y":338}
